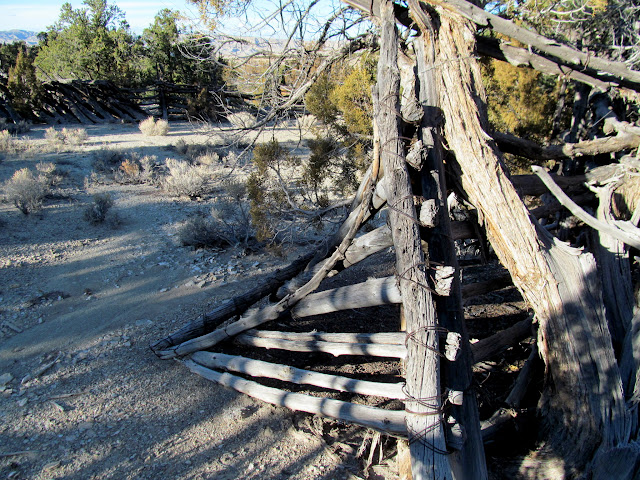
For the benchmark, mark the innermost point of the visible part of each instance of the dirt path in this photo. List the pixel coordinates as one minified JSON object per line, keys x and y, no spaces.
{"x":82,"y":395}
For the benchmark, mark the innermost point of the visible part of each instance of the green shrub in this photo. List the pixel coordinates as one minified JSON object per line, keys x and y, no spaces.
{"x":26,"y":191}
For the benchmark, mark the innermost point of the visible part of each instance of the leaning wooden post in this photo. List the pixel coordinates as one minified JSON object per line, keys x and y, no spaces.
{"x":423,"y":405}
{"x":467,"y":458}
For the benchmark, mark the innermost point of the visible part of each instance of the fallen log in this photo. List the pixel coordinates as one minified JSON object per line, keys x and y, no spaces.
{"x":257,"y":368}
{"x":526,"y":148}
{"x":387,"y":421}
{"x":488,"y":347}
{"x":334,"y":348}
{"x":384,"y":338}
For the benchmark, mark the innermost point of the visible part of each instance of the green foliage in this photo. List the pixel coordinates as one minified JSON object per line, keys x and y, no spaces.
{"x":327,"y":169}
{"x":519,"y":100}
{"x":270,"y":155}
{"x":258,"y":197}
{"x":353,"y":98}
{"x":161,"y":41}
{"x":347,"y":97}
{"x":9,"y":54}
{"x":319,"y":102}
{"x":24,"y":88}
{"x":91,"y":43}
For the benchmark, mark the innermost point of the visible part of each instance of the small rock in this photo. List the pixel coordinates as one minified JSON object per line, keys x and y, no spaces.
{"x":23,"y":401}
{"x":85,"y":426}
{"x":201,"y":284}
{"x":144,"y":323}
{"x":5,"y":378}
{"x":52,"y":465}
{"x":162,"y":290}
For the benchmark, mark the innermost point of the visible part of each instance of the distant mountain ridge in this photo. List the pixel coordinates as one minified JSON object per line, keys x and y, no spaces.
{"x":10,"y":36}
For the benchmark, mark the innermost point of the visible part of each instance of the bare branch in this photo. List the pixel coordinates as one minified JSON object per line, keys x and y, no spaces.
{"x":622,"y":231}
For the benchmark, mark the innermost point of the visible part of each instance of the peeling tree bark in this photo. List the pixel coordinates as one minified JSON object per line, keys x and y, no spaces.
{"x":583,"y":401}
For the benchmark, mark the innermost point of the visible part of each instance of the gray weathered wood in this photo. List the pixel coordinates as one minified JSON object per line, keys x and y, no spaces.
{"x":488,"y":347}
{"x":426,"y":433}
{"x":333,"y":348}
{"x":387,"y":421}
{"x":258,"y":368}
{"x":383,"y":338}
{"x":622,"y":231}
{"x":258,"y":316}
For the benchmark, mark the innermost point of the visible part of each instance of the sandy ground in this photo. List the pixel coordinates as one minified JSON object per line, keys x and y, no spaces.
{"x":82,"y":396}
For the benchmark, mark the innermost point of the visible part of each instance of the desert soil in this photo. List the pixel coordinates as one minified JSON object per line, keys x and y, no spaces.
{"x":82,"y":395}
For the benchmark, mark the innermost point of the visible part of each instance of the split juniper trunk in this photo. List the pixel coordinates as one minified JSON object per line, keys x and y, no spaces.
{"x":423,"y":405}
{"x":583,"y":405}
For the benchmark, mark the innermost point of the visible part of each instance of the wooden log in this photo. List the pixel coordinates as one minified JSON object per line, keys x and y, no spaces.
{"x":78,"y":100}
{"x":375,"y":292}
{"x":258,"y":368}
{"x":368,"y":244}
{"x":463,"y":431}
{"x":488,"y":347}
{"x":524,"y":57}
{"x":384,"y":338}
{"x":524,"y":379}
{"x":424,"y":425}
{"x":386,"y":421}
{"x":622,"y":231}
{"x":594,"y":66}
{"x":334,"y":348}
{"x":232,"y":307}
{"x":526,"y":148}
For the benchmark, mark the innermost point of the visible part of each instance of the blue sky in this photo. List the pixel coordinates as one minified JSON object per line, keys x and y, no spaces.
{"x":37,"y":15}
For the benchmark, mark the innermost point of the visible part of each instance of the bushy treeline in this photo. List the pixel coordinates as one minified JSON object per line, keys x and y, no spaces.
{"x":95,"y":42}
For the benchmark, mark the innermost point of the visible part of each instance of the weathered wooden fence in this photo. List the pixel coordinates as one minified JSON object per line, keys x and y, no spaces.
{"x":104,"y":102}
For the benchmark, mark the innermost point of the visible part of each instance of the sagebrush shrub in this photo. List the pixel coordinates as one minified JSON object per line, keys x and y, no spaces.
{"x":96,"y":212}
{"x":7,"y":142}
{"x":15,"y":128}
{"x":185,"y":179}
{"x":152,"y":128}
{"x":74,"y":136}
{"x":54,"y":137}
{"x":199,"y":232}
{"x":109,"y":160}
{"x":26,"y":191}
